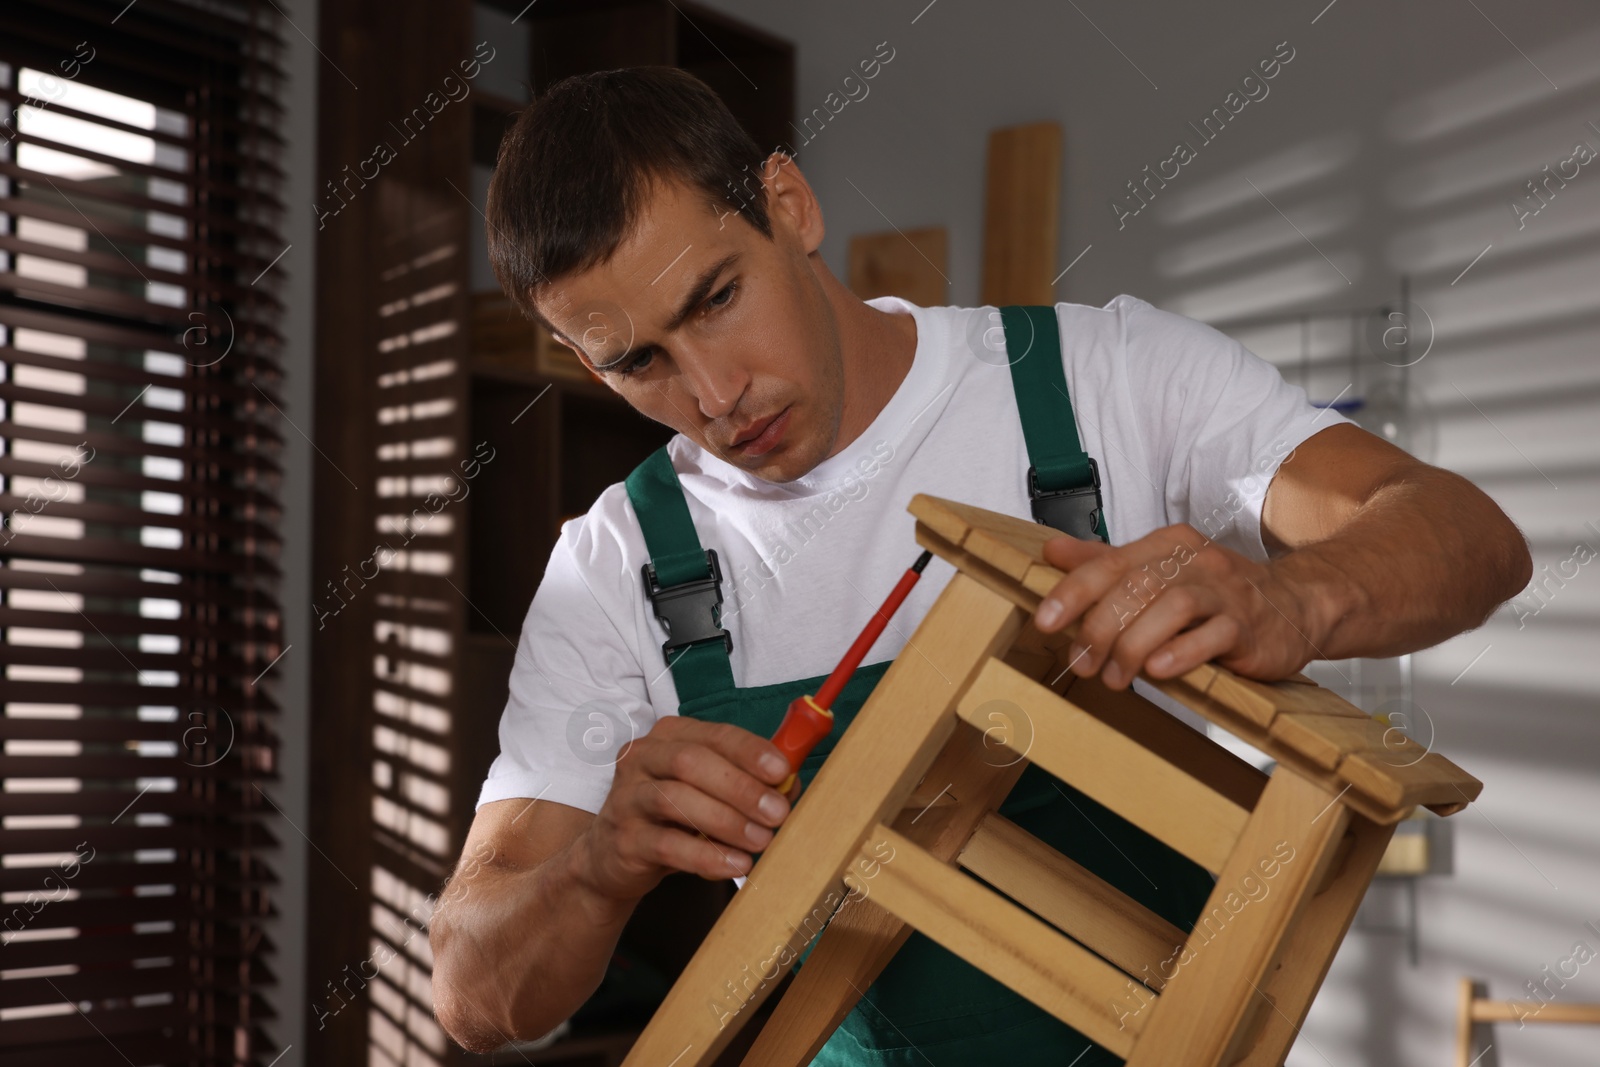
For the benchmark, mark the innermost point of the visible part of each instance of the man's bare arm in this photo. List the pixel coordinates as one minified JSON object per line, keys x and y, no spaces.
{"x":1377,"y":554}
{"x":519,"y":942}
{"x":1391,"y":554}
{"x":524,"y":931}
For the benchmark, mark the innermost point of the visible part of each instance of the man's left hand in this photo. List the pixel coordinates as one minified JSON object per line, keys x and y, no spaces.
{"x":1170,"y":601}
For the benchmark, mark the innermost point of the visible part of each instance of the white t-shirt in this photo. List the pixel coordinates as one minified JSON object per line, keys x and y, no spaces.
{"x":1185,"y":423}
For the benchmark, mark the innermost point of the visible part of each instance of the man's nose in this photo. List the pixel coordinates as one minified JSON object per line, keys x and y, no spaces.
{"x":716,"y":381}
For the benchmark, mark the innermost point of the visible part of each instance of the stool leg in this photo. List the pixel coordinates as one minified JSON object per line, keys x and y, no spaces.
{"x":855,"y":948}
{"x":799,"y":880}
{"x":961,"y":787}
{"x":1262,"y":891}
{"x":1310,"y":949}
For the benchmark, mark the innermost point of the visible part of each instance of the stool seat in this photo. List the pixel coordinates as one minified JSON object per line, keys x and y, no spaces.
{"x":1294,"y":721}
{"x":914,"y":779}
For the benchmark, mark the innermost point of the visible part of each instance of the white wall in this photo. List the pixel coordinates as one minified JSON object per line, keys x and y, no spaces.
{"x":1394,"y":140}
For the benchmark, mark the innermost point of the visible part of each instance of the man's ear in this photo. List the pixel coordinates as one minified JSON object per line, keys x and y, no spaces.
{"x":790,"y":195}
{"x":776,"y":160}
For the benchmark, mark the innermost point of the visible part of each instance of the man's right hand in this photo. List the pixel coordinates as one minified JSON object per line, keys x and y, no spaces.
{"x":567,"y":881}
{"x":688,"y":796}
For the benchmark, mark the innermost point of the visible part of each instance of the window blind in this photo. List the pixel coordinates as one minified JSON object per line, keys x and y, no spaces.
{"x":423,"y":475}
{"x":400,"y":473}
{"x":139,"y":430}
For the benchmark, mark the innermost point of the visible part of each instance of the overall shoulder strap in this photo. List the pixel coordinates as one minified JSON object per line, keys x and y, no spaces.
{"x":1063,"y":481}
{"x":682,"y":581}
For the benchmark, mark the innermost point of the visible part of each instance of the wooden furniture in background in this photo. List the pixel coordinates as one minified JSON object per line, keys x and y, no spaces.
{"x":1322,"y":818}
{"x":752,"y":70}
{"x":1477,"y":1012}
{"x":1022,"y":210}
{"x":910,"y":265}
{"x":504,"y":344}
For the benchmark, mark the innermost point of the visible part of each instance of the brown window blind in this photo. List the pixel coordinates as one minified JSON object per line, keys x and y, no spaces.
{"x":139,"y":429}
{"x":400,"y":470}
{"x":423,"y":474}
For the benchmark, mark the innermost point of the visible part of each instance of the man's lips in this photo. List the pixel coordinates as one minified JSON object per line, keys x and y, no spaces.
{"x":763,"y":436}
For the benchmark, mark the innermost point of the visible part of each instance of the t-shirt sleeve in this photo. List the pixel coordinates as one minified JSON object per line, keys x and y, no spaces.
{"x":1217,"y":421}
{"x":577,"y":692}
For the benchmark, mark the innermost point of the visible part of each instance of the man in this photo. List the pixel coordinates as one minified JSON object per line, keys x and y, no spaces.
{"x":632,"y":216}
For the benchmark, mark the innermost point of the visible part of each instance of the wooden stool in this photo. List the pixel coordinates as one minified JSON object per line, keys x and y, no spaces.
{"x":907,"y":799}
{"x":1478,"y":1011}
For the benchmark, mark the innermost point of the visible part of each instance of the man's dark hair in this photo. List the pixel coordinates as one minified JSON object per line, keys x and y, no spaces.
{"x":576,"y":167}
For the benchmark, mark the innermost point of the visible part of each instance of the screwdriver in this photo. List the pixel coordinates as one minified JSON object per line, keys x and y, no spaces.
{"x":809,"y":719}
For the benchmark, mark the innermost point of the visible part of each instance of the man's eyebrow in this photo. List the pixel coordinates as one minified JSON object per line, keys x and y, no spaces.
{"x":697,"y":295}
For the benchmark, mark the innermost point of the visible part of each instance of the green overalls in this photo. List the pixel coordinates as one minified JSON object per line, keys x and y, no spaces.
{"x":929,"y":1006}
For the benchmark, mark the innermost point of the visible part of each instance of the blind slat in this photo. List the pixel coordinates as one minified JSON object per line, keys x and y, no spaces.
{"x":109,"y":445}
{"x":85,"y":985}
{"x":135,"y":519}
{"x":113,"y":584}
{"x":93,"y":299}
{"x":111,"y":264}
{"x":38,"y":208}
{"x":104,"y":872}
{"x":114,"y":948}
{"x":122,"y":553}
{"x":241,"y":229}
{"x":110,"y":1023}
{"x":18,"y":99}
{"x":94,"y":912}
{"x":109,"y":729}
{"x":107,"y":802}
{"x":127,"y":836}
{"x":111,"y":409}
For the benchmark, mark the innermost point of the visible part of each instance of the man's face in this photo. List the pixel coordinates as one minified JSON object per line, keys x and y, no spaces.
{"x":704,"y":325}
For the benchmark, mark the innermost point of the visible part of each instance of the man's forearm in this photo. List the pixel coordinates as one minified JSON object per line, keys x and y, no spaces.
{"x":522,"y":951}
{"x":1426,"y":557}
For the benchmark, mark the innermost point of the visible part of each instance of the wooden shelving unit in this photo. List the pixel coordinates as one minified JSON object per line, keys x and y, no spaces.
{"x":751,"y":70}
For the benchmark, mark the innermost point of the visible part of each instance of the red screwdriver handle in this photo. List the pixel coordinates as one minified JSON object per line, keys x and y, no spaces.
{"x":804,"y":724}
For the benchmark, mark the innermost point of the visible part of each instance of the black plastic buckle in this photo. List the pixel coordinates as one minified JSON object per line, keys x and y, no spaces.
{"x":1072,"y":511}
{"x":691,"y":611}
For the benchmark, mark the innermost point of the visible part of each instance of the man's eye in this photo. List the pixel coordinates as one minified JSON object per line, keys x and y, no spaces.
{"x":642,"y":360}
{"x":636,"y":364}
